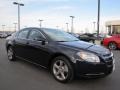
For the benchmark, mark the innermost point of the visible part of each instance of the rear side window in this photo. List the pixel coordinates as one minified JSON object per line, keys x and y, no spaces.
{"x":23,"y":34}
{"x":84,"y":36}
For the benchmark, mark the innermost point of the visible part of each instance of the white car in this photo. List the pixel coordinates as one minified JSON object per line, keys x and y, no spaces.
{"x":3,"y":35}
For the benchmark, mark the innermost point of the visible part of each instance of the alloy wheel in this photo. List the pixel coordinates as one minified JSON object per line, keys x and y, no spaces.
{"x":10,"y":54}
{"x":60,"y":70}
{"x":112,"y":46}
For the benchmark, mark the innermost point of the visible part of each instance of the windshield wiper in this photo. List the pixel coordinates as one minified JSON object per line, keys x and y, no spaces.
{"x":61,"y":41}
{"x":76,"y":40}
{"x":68,"y":41}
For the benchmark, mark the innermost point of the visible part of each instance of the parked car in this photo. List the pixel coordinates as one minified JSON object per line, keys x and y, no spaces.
{"x":87,"y":38}
{"x":100,"y":36}
{"x":112,"y":42}
{"x":84,"y":37}
{"x":0,"y":35}
{"x":3,"y":35}
{"x":63,"y":54}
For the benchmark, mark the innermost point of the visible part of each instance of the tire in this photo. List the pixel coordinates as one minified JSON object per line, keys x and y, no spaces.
{"x":112,"y":46}
{"x":93,"y":41}
{"x":10,"y":53}
{"x":62,"y":69}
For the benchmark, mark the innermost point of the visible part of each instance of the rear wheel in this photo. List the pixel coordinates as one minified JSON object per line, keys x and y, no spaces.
{"x":112,"y":46}
{"x":10,"y":53}
{"x":62,"y":69}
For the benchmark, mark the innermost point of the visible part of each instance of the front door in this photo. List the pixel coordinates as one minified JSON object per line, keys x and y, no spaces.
{"x":38,"y":52}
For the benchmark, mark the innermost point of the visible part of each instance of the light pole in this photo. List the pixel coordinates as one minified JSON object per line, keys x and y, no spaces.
{"x":40,"y":22}
{"x":57,"y":27}
{"x":98,"y":21}
{"x":19,"y":4}
{"x":3,"y":28}
{"x":15,"y":26}
{"x":94,"y":25}
{"x":72,"y":27}
{"x":67,"y":27}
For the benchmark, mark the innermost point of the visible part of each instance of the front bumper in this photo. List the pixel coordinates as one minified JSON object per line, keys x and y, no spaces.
{"x":87,"y":69}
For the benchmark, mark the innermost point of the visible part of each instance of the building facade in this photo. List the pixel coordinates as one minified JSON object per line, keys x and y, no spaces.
{"x":113,"y":27}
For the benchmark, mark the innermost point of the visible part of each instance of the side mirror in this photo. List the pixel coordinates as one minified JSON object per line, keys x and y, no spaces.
{"x":41,"y":39}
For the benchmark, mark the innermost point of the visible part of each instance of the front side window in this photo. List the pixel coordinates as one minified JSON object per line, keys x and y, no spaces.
{"x":23,"y":34}
{"x":35,"y":35}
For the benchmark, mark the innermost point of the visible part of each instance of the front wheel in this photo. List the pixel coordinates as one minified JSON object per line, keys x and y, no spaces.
{"x":62,"y":69}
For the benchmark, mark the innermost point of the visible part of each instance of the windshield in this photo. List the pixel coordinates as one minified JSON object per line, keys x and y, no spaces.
{"x":58,"y":35}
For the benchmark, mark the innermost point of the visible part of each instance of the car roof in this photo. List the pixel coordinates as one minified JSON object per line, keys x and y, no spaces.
{"x":41,"y":29}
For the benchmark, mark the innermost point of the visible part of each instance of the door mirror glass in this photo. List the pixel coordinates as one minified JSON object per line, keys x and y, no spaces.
{"x":39,"y":39}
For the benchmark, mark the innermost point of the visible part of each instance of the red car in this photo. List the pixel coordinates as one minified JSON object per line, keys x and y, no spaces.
{"x":112,"y":42}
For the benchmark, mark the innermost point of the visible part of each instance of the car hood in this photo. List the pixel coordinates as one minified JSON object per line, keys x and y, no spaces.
{"x":81,"y":45}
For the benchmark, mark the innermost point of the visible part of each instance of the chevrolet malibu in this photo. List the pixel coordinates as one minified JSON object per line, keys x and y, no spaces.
{"x":61,"y":53}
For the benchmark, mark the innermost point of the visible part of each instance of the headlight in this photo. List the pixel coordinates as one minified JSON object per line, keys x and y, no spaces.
{"x":89,"y":57}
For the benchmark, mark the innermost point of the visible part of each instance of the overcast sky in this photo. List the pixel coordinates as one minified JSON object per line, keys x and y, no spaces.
{"x":57,"y":12}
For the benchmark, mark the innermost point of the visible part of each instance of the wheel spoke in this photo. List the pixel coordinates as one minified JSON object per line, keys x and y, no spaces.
{"x":61,"y":63}
{"x":65,"y":69}
{"x":56,"y":66}
{"x":63,"y":76}
{"x":57,"y":73}
{"x":10,"y":54}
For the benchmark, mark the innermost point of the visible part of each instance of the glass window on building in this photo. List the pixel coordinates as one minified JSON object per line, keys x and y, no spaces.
{"x":116,"y":30}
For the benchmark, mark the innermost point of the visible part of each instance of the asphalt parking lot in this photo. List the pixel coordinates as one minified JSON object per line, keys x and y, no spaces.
{"x":21,"y":75}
